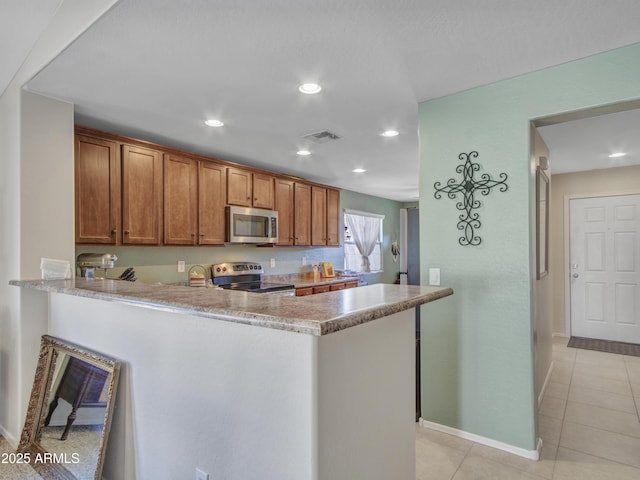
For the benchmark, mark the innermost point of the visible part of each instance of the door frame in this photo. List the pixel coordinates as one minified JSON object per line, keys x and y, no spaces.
{"x":567,"y":246}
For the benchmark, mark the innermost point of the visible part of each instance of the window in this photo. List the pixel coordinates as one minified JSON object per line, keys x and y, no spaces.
{"x":362,"y":241}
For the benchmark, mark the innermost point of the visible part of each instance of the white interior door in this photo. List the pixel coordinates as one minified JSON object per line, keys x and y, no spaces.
{"x":605,"y":277}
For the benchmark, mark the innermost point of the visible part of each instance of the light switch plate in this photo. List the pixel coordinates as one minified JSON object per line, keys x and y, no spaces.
{"x":434,"y":276}
{"x":272,"y":263}
{"x":180,"y":266}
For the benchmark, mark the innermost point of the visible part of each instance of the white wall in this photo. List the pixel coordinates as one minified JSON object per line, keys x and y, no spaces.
{"x":244,"y":402}
{"x":197,"y":392}
{"x":34,"y":217}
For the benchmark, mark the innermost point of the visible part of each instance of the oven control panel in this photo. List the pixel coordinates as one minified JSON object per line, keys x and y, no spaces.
{"x":236,"y":268}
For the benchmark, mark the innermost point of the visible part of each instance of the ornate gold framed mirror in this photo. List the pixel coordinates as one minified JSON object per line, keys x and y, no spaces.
{"x":69,"y":416}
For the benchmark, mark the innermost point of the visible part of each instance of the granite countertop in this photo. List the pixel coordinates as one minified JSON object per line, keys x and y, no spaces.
{"x":312,"y":314}
{"x":302,"y":280}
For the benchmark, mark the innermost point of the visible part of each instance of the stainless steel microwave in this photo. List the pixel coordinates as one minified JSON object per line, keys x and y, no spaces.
{"x":251,"y":225}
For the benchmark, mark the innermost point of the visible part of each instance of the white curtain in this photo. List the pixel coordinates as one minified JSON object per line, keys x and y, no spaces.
{"x":365,"y":232}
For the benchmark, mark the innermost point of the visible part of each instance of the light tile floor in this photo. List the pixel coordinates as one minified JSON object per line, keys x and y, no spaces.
{"x":588,"y":420}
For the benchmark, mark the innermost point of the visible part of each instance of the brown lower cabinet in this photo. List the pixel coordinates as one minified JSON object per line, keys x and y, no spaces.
{"x":331,"y":287}
{"x":322,"y":289}
{"x":301,"y":292}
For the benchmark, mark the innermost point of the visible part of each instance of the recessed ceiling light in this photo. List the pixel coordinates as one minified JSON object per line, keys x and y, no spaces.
{"x":309,"y":88}
{"x":390,"y":133}
{"x":358,"y":170}
{"x":303,"y":153}
{"x":212,"y":122}
{"x":617,"y":155}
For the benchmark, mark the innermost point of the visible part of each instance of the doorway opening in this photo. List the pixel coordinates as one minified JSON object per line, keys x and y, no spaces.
{"x":580,"y":145}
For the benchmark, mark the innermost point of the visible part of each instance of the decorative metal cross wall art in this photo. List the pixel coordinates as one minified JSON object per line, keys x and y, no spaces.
{"x":468,"y":186}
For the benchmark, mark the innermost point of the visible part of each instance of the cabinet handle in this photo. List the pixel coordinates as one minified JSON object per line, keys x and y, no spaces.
{"x":114,"y":231}
{"x":202,"y":234}
{"x":126,"y":232}
{"x":193,"y":234}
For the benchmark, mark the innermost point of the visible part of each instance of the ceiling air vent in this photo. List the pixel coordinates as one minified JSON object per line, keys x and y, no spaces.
{"x":322,"y":137}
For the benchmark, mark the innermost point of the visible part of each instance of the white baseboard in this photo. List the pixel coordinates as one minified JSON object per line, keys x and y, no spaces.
{"x":10,"y":438}
{"x":546,"y":383}
{"x":521,"y":452}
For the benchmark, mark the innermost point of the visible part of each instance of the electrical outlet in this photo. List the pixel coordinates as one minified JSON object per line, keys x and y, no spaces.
{"x":180,"y":266}
{"x":434,"y":276}
{"x":201,"y":475}
{"x":304,"y":261}
{"x":272,"y":263}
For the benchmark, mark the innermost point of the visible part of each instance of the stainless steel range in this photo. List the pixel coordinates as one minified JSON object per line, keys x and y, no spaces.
{"x":246,"y":276}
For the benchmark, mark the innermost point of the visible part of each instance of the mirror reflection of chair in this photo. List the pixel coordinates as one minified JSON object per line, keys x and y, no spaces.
{"x":81,"y":386}
{"x":83,"y":378}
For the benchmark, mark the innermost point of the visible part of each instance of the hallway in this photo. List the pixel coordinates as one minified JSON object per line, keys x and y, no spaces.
{"x":588,"y":420}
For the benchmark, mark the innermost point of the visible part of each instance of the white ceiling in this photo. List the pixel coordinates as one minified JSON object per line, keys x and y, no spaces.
{"x":586,"y":144}
{"x":155,"y":69}
{"x":21,"y":23}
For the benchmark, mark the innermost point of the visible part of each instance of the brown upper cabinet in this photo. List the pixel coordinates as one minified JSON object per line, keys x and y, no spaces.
{"x":318,"y":216}
{"x":194,"y":202}
{"x":325,"y":216}
{"x":284,"y":205}
{"x":247,"y":189}
{"x":132,"y":192}
{"x":180,"y":200}
{"x":263,"y":191}
{"x":302,"y":214}
{"x":211,"y":203}
{"x":97,"y":190}
{"x":333,"y":217}
{"x":141,"y":196}
{"x":239,"y":187}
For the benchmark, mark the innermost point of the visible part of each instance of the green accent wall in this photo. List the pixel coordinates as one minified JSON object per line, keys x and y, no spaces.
{"x":159,"y":264}
{"x":477,"y":346}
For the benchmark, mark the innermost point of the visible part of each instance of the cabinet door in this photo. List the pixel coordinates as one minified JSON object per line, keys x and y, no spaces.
{"x":333,"y":217}
{"x":141,"y":196}
{"x":302,"y":214}
{"x":263,"y":195}
{"x":337,"y":286}
{"x":239,"y":189}
{"x":180,"y":200}
{"x":322,"y":289}
{"x":97,"y":195}
{"x":318,"y":216}
{"x":284,"y":205}
{"x":212,"y":194}
{"x":301,"y":292}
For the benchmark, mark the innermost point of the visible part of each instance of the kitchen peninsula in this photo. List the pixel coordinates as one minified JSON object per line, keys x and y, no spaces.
{"x":244,"y":385}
